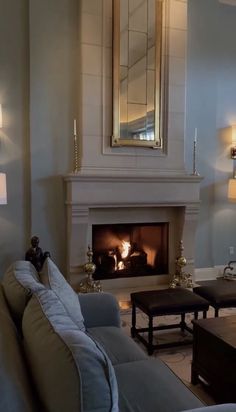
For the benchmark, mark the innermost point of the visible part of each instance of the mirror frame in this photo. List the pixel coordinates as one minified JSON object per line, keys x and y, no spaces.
{"x":116,"y":140}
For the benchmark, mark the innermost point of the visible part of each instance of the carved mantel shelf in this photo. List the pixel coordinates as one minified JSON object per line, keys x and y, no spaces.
{"x":77,"y":177}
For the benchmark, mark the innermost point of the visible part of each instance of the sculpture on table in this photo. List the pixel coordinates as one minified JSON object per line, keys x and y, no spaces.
{"x":88,"y":284}
{"x":181,"y":278}
{"x":35,"y":254}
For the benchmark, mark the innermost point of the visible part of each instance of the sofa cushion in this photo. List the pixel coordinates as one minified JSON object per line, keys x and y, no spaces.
{"x":118,"y":346}
{"x":166,"y":393}
{"x":71,"y":372}
{"x":99,"y":309}
{"x":19,"y":282}
{"x":16,"y":393}
{"x":52,"y":278}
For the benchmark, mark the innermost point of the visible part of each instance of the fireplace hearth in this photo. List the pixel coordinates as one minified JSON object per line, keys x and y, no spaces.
{"x":130,"y":250}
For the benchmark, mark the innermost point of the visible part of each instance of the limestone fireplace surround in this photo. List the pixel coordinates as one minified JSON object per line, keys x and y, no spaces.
{"x":105,"y":199}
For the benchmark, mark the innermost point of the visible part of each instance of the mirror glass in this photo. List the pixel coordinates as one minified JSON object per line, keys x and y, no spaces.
{"x":137,"y":36}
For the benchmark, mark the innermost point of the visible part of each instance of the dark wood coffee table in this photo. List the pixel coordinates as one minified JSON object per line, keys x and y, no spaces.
{"x":214,"y":356}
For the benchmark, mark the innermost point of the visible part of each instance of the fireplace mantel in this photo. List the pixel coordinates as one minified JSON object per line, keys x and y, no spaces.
{"x":110,"y":190}
{"x":92,"y":199}
{"x":147,"y":177}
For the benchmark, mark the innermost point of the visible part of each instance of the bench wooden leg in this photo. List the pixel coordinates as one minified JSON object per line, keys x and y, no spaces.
{"x":216,"y":312}
{"x":194,"y":376}
{"x":133,"y":328}
{"x":182,"y":323}
{"x":204,"y":314}
{"x":150,"y":336}
{"x":196,"y":315}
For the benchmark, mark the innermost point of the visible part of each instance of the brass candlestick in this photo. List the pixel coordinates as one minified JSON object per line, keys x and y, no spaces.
{"x":76,"y":157}
{"x":195,"y":173}
{"x":181,"y":278}
{"x":88,"y":284}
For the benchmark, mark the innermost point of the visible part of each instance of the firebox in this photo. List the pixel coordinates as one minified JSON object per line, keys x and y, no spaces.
{"x":133,"y":249}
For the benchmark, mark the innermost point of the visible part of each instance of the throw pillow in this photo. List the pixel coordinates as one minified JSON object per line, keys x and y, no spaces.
{"x":52,"y":278}
{"x":70,"y":371}
{"x":19,"y":282}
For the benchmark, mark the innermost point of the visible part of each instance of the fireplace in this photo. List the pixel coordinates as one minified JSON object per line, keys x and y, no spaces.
{"x":129,"y":250}
{"x":168,"y":204}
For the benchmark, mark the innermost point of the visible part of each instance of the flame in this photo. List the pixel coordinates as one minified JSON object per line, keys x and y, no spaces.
{"x":121,"y":265}
{"x":115,"y":259}
{"x":125,"y":249}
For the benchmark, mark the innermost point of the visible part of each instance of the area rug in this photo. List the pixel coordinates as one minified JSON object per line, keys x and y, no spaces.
{"x":178,"y":358}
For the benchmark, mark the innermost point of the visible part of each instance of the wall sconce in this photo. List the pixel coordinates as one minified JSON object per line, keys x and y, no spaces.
{"x":232,"y":189}
{"x":233,"y":148}
{"x":3,"y":189}
{"x":0,"y":116}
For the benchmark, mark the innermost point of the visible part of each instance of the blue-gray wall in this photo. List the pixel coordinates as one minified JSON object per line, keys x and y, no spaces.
{"x":38,"y":93}
{"x":211,"y":107}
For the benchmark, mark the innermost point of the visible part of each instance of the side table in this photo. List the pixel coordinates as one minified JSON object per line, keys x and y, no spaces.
{"x":214,"y":356}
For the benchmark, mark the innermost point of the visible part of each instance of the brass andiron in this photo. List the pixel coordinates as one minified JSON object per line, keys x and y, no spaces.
{"x":181,"y":278}
{"x":88,"y":284}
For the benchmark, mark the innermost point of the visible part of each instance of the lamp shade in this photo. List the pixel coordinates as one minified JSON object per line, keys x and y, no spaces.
{"x":232,"y":189}
{"x":3,"y":189}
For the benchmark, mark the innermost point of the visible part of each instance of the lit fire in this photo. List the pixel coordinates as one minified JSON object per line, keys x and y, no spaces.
{"x":125,"y":249}
{"x":121,"y":265}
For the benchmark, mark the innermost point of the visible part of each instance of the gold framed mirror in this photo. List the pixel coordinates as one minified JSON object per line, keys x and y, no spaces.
{"x":137,"y":73}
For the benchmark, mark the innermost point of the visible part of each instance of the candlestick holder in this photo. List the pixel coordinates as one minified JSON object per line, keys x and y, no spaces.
{"x":195,"y":173}
{"x":76,"y":155}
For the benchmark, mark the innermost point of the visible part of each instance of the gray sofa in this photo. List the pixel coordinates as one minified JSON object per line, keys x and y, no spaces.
{"x":59,"y":353}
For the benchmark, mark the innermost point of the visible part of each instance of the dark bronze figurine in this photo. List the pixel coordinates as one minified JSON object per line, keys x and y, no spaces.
{"x":35,"y":254}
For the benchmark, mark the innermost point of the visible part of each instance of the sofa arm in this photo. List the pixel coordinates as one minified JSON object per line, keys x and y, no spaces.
{"x":99,"y":309}
{"x":227,"y":407}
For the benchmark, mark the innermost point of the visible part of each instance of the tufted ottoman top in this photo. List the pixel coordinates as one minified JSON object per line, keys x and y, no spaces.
{"x":169,"y":301}
{"x":221,"y":293}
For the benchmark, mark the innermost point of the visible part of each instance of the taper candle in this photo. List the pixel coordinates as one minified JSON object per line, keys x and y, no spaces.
{"x":195,"y":135}
{"x":75,"y":131}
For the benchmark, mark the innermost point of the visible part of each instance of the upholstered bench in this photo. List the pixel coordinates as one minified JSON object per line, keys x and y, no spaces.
{"x":220,"y":293}
{"x":162,"y":302}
